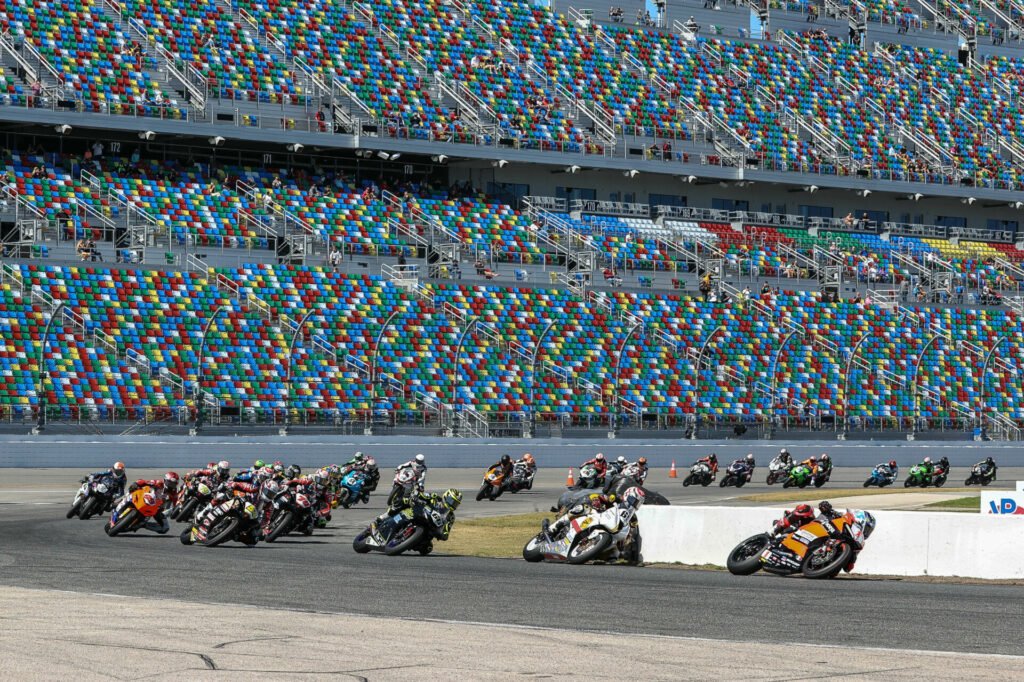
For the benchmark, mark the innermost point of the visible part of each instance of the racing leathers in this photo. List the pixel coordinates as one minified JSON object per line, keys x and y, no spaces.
{"x":382,"y":524}
{"x":601,"y":465}
{"x":712,"y":463}
{"x":419,"y":468}
{"x":793,"y":520}
{"x":220,"y":505}
{"x":506,"y":468}
{"x":158,"y":522}
{"x":116,"y":485}
{"x":641,"y":472}
{"x":811,"y":464}
{"x":595,"y":502}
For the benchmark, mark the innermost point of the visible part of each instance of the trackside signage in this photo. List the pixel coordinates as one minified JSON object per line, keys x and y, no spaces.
{"x":1002,"y":503}
{"x":1020,"y":486}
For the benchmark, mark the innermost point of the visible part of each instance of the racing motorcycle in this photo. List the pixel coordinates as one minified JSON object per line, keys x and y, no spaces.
{"x":411,"y":529}
{"x":778,"y":470}
{"x":405,"y":480}
{"x":736,"y":475}
{"x":819,"y":549}
{"x":291,"y":511}
{"x":92,"y":498}
{"x":799,"y":477}
{"x":134,"y":510}
{"x":239,"y":523}
{"x":351,"y":488}
{"x":635,"y":472}
{"x":493,"y":484}
{"x":881,"y":476}
{"x":609,"y":534}
{"x":589,"y":477}
{"x":821,"y":477}
{"x":522,"y":478}
{"x":917,"y":478}
{"x":195,"y":496}
{"x":699,"y":473}
{"x":980,"y":476}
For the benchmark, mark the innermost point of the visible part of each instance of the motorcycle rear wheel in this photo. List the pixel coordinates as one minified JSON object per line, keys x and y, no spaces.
{"x":88,"y":509}
{"x":706,"y":482}
{"x":123,"y":523}
{"x":829,"y":568}
{"x":788,"y":483}
{"x":939,"y":482}
{"x":819,"y":482}
{"x":530,"y":550}
{"x":359,"y":543}
{"x":283,"y":525}
{"x":408,"y":541}
{"x":597,"y":542}
{"x":745,"y":558}
{"x":222,"y":532}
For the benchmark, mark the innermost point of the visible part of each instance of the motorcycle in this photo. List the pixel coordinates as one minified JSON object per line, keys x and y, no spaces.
{"x":699,"y":473}
{"x":291,"y":510}
{"x":737,"y":474}
{"x":980,"y":476}
{"x":351,"y":488}
{"x":405,"y":479}
{"x":598,"y":535}
{"x":810,"y":550}
{"x":239,"y":523}
{"x":134,"y":509}
{"x":493,"y":484}
{"x":411,"y":529}
{"x":635,"y":472}
{"x":522,"y":478}
{"x":589,"y":477}
{"x":92,"y":498}
{"x":917,"y":478}
{"x":778,"y":470}
{"x":799,"y":477}
{"x":195,"y":496}
{"x":880,"y":476}
{"x":821,"y":477}
{"x":940,"y":473}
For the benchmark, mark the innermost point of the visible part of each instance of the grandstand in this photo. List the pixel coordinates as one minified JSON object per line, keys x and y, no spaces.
{"x":493,"y":219}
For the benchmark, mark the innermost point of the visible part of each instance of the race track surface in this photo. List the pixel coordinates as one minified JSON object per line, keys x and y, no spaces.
{"x":39,"y":548}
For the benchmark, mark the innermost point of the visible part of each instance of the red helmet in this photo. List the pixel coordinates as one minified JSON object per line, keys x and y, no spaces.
{"x":804,"y":510}
{"x":599,"y":456}
{"x":892,"y":463}
{"x":171,"y":480}
{"x":211,"y":465}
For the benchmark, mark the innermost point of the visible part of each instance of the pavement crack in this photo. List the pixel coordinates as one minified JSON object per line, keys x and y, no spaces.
{"x":210,"y":665}
{"x":832,"y":676}
{"x":253,"y":639}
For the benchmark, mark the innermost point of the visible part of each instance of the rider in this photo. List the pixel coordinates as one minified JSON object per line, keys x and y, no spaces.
{"x":444,"y":505}
{"x":793,"y":520}
{"x":372,"y":478}
{"x":616,"y":467}
{"x":641,"y":474}
{"x":419,"y":465}
{"x":171,"y":489}
{"x":824,"y":463}
{"x":785,"y":457}
{"x":118,"y":480}
{"x":158,"y":522}
{"x":712,"y":462}
{"x":354,"y":463}
{"x":811,"y":463}
{"x":600,"y":464}
{"x":528,"y":462}
{"x":749,"y":463}
{"x":594,"y":502}
{"x":505,"y":464}
{"x":928,"y":468}
{"x":249,"y":475}
{"x":218,"y":506}
{"x":988,"y":466}
{"x":941,"y":465}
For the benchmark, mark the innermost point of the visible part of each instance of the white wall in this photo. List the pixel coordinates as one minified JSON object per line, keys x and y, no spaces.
{"x":903,"y":543}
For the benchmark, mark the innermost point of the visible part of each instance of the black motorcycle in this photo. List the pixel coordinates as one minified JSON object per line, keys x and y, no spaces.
{"x":94,"y":497}
{"x":194,"y":498}
{"x":411,"y":529}
{"x":238,"y":524}
{"x":291,"y":511}
{"x":981,"y":475}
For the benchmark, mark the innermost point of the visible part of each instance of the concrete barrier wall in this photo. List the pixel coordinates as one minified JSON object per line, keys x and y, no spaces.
{"x":903,"y":543}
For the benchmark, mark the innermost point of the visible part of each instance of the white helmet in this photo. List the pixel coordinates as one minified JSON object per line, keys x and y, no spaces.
{"x":420,"y":459}
{"x":599,"y":456}
{"x":621,"y":459}
{"x":750,"y":457}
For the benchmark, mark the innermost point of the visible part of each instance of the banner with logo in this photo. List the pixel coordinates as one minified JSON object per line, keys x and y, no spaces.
{"x":1002,"y":502}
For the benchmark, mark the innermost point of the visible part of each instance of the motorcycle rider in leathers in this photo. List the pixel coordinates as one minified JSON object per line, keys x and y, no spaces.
{"x":220,"y":504}
{"x":444,"y":504}
{"x":158,"y":522}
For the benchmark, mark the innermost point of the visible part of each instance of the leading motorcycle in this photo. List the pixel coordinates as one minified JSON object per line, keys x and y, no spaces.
{"x":194,"y":497}
{"x":238,"y":523}
{"x":609,"y":534}
{"x":411,"y":529}
{"x":134,"y":509}
{"x":881,"y":476}
{"x":493,"y":485}
{"x":291,"y":510}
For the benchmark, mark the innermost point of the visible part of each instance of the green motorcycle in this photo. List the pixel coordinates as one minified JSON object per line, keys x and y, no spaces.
{"x":799,"y":476}
{"x":917,"y":478}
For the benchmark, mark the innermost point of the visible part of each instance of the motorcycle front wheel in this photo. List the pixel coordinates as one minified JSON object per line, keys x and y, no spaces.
{"x":906,"y":483}
{"x":687,"y":481}
{"x":820,"y":563}
{"x":409,"y":537}
{"x":531,"y":551}
{"x":485,"y":490}
{"x":222,"y":532}
{"x":186,"y":512}
{"x":867,"y":483}
{"x":819,"y":482}
{"x":279,"y":525}
{"x":123,"y":523}
{"x":587,"y":546}
{"x":74,"y":509}
{"x":88,"y":509}
{"x":745,"y":558}
{"x":359,"y":543}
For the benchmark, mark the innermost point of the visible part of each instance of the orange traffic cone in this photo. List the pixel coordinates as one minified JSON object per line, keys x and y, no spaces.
{"x":672,"y":472}
{"x":568,"y":480}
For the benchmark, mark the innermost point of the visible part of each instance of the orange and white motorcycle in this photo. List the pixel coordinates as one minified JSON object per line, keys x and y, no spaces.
{"x":136,"y":510}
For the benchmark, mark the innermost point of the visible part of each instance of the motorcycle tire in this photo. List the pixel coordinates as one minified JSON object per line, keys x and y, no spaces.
{"x":906,"y":483}
{"x":485,"y":490}
{"x":969,"y":481}
{"x":529,"y":486}
{"x":724,"y":482}
{"x":74,"y":509}
{"x":986,"y":481}
{"x":281,"y":527}
{"x":409,"y":541}
{"x":740,"y":482}
{"x":705,"y":483}
{"x":531,"y":551}
{"x":122,"y":523}
{"x":222,"y":532}
{"x":395,"y":492}
{"x":687,"y":481}
{"x":597,"y":547}
{"x":819,"y":482}
{"x":186,"y":536}
{"x":829,"y":569}
{"x":788,"y":483}
{"x":803,"y":484}
{"x":186,"y":512}
{"x":867,"y":483}
{"x":496,"y":493}
{"x":745,"y":558}
{"x":88,"y":509}
{"x":940,"y":482}
{"x":359,"y":543}
{"x":770,"y":480}
{"x":884,"y":483}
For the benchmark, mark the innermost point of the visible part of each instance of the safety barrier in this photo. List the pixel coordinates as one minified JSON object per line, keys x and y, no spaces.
{"x":904,"y":543}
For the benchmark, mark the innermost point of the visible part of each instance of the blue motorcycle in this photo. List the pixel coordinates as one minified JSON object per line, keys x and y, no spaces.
{"x":881,"y":476}
{"x":351,"y":488}
{"x":737,"y":474}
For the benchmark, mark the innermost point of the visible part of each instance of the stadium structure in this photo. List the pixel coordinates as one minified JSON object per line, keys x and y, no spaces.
{"x":695,"y":219}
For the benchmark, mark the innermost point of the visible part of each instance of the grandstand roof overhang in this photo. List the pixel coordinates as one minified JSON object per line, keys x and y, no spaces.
{"x":94,"y":123}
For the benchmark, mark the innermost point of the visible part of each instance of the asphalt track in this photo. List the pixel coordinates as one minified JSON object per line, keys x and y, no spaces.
{"x":39,"y":548}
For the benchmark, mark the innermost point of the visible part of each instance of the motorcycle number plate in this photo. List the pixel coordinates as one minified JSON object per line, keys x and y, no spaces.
{"x":805,"y":536}
{"x":766,"y":554}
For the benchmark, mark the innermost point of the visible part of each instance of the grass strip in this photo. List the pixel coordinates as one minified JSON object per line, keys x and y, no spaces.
{"x":493,"y":536}
{"x":802,"y":495}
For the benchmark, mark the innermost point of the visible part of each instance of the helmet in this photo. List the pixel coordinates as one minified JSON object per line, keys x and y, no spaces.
{"x":358,"y":456}
{"x":258,"y":464}
{"x":211,"y":465}
{"x":825,"y":507}
{"x":420,"y":459}
{"x":599,"y":457}
{"x":620,"y":459}
{"x":266,"y":472}
{"x":642,"y":461}
{"x":634,"y":497}
{"x":293,"y":471}
{"x":990,"y":460}
{"x":824,"y":457}
{"x":783,"y":451}
{"x":713,"y":457}
{"x":803,"y":510}
{"x":223,"y":468}
{"x":278,"y":468}
{"x":171,"y":480}
{"x":869,"y":524}
{"x":451,"y":498}
{"x":750,"y":456}
{"x":321,"y":477}
{"x":528,"y":457}
{"x":370,"y":464}
{"x":505,"y":459}
{"x":927,"y":460}
{"x":118,"y":468}
{"x":892,"y":463}
{"x":812,"y":459}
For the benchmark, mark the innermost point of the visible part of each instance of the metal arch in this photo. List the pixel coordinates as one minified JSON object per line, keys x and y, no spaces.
{"x":846,"y":381}
{"x":54,"y":315}
{"x":917,"y":374}
{"x":533,"y":367}
{"x":458,"y":351}
{"x":984,"y":373}
{"x":197,"y":390}
{"x":618,"y":361}
{"x":376,"y":347}
{"x":291,"y":346}
{"x":699,"y":365}
{"x":775,"y":371}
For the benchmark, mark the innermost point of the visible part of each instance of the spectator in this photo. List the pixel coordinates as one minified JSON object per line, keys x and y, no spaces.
{"x":97,"y":150}
{"x":82,"y":249}
{"x":94,"y":251}
{"x":335,"y":259}
{"x":36,"y":89}
{"x":692,"y":25}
